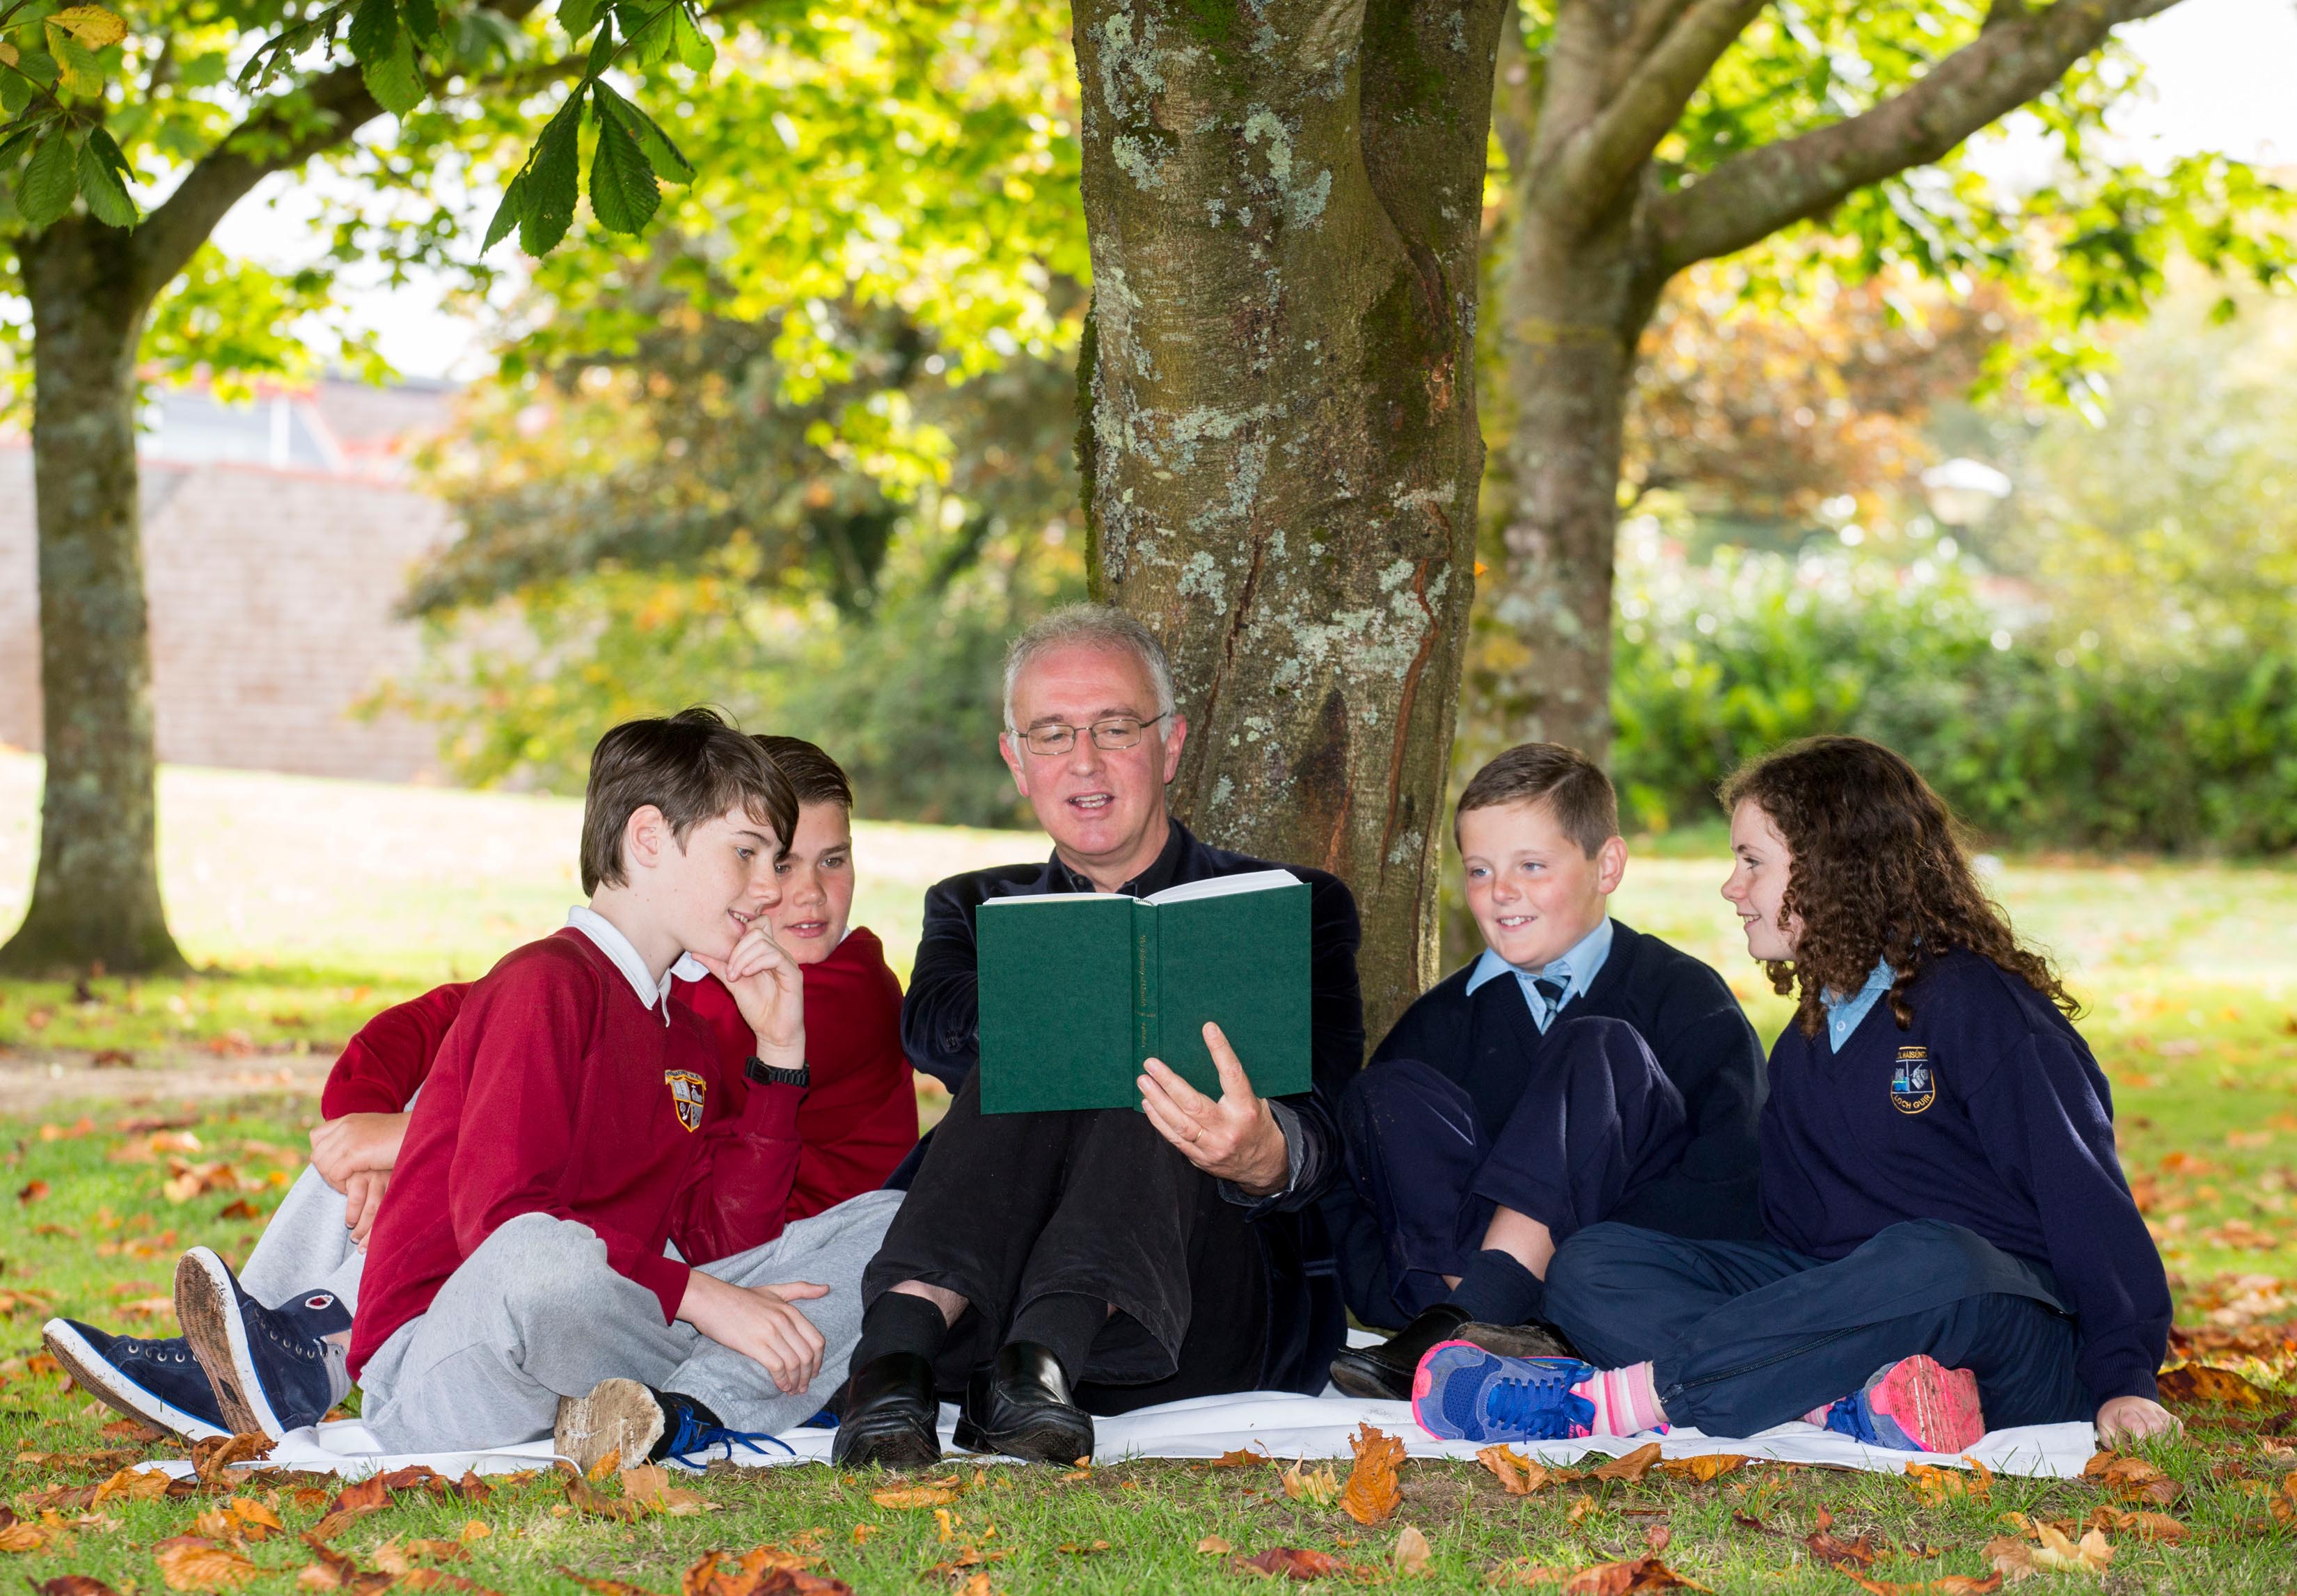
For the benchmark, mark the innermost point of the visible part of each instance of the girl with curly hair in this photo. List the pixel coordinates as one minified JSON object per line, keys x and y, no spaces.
{"x":1951,"y":1241}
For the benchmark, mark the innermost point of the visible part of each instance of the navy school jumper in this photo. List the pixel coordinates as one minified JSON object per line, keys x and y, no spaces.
{"x":1950,"y":1188}
{"x":1485,"y":1045}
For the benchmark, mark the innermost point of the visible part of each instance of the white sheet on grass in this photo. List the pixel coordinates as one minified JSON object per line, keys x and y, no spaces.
{"x":1283,"y":1424}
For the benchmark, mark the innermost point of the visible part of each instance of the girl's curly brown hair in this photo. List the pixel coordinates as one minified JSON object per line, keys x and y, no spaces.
{"x":1879,"y":873}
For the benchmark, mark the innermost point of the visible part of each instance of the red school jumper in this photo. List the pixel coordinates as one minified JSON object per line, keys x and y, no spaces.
{"x":858,"y":1120}
{"x":558,"y":1092}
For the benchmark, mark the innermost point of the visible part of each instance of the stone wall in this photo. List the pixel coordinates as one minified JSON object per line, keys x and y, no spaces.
{"x":271,"y":592}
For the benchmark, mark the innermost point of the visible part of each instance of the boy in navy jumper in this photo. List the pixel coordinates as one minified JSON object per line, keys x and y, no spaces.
{"x":1950,"y":1237}
{"x":1577,"y":1070}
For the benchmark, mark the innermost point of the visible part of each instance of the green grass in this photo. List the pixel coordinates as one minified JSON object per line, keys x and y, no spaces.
{"x":311,"y":903}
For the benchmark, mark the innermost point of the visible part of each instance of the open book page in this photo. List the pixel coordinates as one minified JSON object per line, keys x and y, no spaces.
{"x":1222,"y":886}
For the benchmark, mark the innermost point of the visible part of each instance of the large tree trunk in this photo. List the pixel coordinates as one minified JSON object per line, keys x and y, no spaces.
{"x":1572,"y":310}
{"x":1279,"y":437}
{"x":96,"y":897}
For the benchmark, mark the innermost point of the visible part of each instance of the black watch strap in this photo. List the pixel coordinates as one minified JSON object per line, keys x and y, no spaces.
{"x":758,"y":1070}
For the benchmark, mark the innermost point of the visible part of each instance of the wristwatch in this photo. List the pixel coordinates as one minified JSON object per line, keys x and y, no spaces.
{"x":758,"y":1070}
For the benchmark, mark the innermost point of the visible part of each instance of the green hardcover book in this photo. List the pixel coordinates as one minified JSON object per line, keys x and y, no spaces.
{"x":1078,"y":988}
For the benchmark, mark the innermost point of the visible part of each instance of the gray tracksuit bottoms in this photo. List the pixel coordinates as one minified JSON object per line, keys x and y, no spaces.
{"x":535,"y":1314}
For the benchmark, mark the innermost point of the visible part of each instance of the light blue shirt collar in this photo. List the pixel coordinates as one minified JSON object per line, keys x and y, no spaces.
{"x":1578,"y":967}
{"x":1843,"y":1014}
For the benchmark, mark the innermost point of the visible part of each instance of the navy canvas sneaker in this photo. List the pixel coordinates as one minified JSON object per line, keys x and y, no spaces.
{"x":157,"y":1381}
{"x":271,"y":1372}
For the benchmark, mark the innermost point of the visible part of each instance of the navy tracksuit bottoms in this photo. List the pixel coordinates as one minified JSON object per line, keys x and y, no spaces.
{"x":1743,"y":1335}
{"x":1597,"y":1120}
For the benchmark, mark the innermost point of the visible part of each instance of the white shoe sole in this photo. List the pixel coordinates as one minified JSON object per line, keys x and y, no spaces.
{"x":93,"y":1374}
{"x":618,"y":1416}
{"x":208,"y":1308}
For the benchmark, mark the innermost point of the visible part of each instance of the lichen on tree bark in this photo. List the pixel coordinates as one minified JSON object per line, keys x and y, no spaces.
{"x":1279,"y":441}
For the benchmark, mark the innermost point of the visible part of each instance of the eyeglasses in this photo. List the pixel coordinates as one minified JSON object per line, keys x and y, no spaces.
{"x":1117,"y":731}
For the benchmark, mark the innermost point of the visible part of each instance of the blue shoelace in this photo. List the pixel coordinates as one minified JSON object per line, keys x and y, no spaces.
{"x":694,"y":1436}
{"x":1541,"y":1405}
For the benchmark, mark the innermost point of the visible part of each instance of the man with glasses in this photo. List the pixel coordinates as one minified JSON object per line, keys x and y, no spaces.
{"x":1051,"y":1266}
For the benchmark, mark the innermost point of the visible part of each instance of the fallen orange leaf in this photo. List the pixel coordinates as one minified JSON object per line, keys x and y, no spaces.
{"x":2202,"y":1383}
{"x":195,"y":1563}
{"x":1412,"y":1554}
{"x":1632,"y":1467}
{"x":1373,"y":1492}
{"x":1634,"y":1573}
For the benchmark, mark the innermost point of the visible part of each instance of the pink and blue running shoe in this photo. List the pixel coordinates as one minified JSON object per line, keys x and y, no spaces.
{"x":1915,"y":1404}
{"x":1462,"y":1393}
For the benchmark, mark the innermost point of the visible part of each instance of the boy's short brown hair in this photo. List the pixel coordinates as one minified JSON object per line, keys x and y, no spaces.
{"x":816,"y":778}
{"x":693,"y":766}
{"x":1569,"y":783}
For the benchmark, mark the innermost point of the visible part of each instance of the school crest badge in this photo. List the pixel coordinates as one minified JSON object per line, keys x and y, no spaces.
{"x":1914,"y":1085}
{"x":685,"y":1094}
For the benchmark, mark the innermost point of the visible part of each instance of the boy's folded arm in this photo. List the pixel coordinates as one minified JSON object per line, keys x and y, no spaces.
{"x":2046,"y":1130}
{"x":737,"y":1195}
{"x":391,"y":1056}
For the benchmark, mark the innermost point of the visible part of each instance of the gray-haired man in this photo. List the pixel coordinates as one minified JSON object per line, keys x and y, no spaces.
{"x":1054,"y":1265}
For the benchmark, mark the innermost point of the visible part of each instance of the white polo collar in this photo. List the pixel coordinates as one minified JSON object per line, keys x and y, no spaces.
{"x":609,"y":940}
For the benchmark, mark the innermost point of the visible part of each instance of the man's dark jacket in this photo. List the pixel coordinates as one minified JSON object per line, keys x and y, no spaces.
{"x":941,"y":1032}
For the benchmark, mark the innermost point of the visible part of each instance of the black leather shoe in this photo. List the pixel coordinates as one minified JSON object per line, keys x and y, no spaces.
{"x":1019,"y":1405}
{"x":888,"y":1415}
{"x":1384,"y":1373}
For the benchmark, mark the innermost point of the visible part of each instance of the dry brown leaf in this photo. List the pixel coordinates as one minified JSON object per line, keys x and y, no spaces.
{"x":2202,"y":1383}
{"x":438,"y":1552}
{"x":256,"y":1521}
{"x":1084,"y":1549}
{"x":132,"y":1485}
{"x":606,"y":1468}
{"x":1373,"y":1492}
{"x":2145,"y":1527}
{"x":1656,"y":1537}
{"x":1522,"y":1572}
{"x":1296,"y":1562}
{"x":1243,"y":1457}
{"x":26,"y":1536}
{"x":1213,"y":1546}
{"x":474,"y":1530}
{"x":217,"y":1524}
{"x":1935,"y":1485}
{"x":915,"y":1496}
{"x":1412,"y":1553}
{"x":1632,"y":1467}
{"x":1519,"y":1474}
{"x":73,"y":1584}
{"x":1965,"y":1584}
{"x":583,"y":1499}
{"x":2133,"y":1479}
{"x":1576,"y":1513}
{"x":195,"y":1563}
{"x":1706,"y":1467}
{"x":2090,"y":1555}
{"x":1634,"y":1573}
{"x":607,"y":1587}
{"x":1828,"y":1548}
{"x":648,"y":1485}
{"x":1318,"y":1485}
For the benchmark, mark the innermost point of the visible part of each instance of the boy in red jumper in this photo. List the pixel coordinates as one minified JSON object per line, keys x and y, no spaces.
{"x":577,"y":1121}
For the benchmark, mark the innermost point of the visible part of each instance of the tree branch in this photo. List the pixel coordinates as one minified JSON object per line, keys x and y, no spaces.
{"x":2014,"y":59}
{"x":1516,"y":95}
{"x":1598,"y":158}
{"x":164,"y":242}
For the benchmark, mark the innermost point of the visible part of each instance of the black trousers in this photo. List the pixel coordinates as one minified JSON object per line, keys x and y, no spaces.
{"x":1005,"y":1208}
{"x":1597,"y":1121}
{"x":1744,"y":1335}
